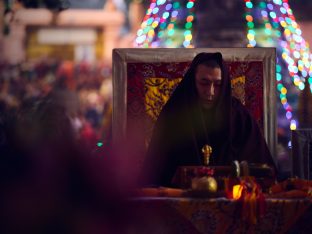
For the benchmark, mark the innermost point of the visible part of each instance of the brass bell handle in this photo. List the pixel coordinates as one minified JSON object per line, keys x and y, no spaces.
{"x":206,"y":150}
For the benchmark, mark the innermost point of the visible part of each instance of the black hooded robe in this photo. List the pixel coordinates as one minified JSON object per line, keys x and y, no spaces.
{"x":184,"y":127}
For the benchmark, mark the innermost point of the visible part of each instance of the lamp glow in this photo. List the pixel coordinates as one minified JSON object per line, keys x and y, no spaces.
{"x":237,"y":191}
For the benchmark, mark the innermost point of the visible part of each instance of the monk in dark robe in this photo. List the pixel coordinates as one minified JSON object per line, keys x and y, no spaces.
{"x":202,"y":111}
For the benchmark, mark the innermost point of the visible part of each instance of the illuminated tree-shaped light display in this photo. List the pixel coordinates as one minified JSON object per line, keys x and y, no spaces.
{"x":272,"y":23}
{"x":167,"y":24}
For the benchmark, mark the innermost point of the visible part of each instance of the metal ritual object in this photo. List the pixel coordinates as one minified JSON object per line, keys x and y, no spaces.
{"x":207,"y":151}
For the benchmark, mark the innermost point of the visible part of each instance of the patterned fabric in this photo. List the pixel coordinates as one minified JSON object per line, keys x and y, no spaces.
{"x":158,"y":91}
{"x":149,"y":86}
{"x":238,"y":88}
{"x":220,"y":215}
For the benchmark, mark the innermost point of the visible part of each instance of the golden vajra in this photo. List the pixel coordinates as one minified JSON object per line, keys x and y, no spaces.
{"x":206,"y":150}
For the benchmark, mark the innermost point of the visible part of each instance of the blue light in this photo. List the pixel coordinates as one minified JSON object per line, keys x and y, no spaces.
{"x":168,"y":6}
{"x":141,"y":39}
{"x":283,"y":10}
{"x":270,"y":6}
{"x":264,"y":13}
{"x":155,"y":10}
{"x":174,"y":13}
{"x":252,"y":43}
{"x":186,"y":43}
{"x":288,"y":115}
{"x":304,"y":73}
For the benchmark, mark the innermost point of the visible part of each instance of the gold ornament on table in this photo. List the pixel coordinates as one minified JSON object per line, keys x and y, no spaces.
{"x":206,"y":150}
{"x":205,"y":183}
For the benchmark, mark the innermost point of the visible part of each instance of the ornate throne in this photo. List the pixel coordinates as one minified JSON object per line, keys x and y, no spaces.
{"x":143,"y":80}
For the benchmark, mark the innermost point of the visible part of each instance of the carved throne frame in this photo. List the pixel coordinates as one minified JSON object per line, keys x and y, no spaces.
{"x":138,"y":73}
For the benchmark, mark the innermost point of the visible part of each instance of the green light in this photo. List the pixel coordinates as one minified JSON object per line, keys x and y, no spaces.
{"x":250,"y":25}
{"x":168,"y":42}
{"x":188,"y":25}
{"x":288,"y":20}
{"x":165,"y":15}
{"x":282,"y":96}
{"x":251,"y":32}
{"x":160,"y":34}
{"x":275,"y":25}
{"x":278,"y":76}
{"x":292,"y":29}
{"x":262,"y":5}
{"x":99,"y":144}
{"x":160,"y":2}
{"x":278,"y":68}
{"x":268,"y":31}
{"x":249,"y":4}
{"x":272,"y":14}
{"x":171,"y":32}
{"x":189,"y":5}
{"x":149,"y":21}
{"x":155,"y":10}
{"x":140,"y":32}
{"x":163,"y":25}
{"x":301,"y":86}
{"x":146,"y":29}
{"x":187,"y":32}
{"x":176,"y":5}
{"x":279,"y":87}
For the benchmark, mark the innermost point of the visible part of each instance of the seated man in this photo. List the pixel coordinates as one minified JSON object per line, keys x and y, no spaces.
{"x":202,"y":111}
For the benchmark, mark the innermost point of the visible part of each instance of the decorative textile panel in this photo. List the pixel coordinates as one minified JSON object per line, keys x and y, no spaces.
{"x":219,"y":215}
{"x":149,"y":86}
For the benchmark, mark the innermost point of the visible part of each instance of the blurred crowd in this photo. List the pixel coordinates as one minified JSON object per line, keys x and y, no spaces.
{"x":53,"y":177}
{"x":83,"y":89}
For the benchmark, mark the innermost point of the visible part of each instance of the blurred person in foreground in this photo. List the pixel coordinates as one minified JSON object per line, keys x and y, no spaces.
{"x":49,"y":182}
{"x":202,"y":111}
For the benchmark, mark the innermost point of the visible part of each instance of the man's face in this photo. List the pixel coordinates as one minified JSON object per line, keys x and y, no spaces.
{"x":208,"y":84}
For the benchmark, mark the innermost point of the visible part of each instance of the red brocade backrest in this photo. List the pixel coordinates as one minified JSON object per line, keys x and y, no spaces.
{"x":150,"y":85}
{"x":145,"y":78}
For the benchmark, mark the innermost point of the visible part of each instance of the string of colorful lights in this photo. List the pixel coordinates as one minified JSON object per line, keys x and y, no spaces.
{"x":188,"y":25}
{"x":268,"y":36}
{"x":280,"y":25}
{"x":172,"y":24}
{"x":159,"y":24}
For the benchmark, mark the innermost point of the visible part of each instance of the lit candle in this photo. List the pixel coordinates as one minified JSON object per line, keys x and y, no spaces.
{"x":237,"y":191}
